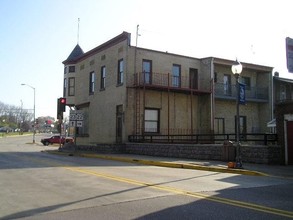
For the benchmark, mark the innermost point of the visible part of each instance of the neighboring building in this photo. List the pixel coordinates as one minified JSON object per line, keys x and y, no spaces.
{"x":283,"y":89}
{"x":125,"y":90}
{"x":283,"y":116}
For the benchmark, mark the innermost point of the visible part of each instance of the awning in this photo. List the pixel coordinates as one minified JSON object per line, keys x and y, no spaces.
{"x":272,"y":123}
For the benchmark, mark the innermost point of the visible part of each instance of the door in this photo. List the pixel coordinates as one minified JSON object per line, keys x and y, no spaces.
{"x":290,"y":141}
{"x":147,"y":71}
{"x":119,"y":123}
{"x":193,"y":76}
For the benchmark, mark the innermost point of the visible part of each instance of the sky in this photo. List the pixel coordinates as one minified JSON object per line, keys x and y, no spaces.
{"x":37,"y":35}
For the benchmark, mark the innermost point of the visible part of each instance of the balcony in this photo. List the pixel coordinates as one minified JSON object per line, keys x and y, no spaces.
{"x":254,"y":94}
{"x":169,"y":82}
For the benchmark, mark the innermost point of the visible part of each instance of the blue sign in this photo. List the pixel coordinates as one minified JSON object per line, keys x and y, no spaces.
{"x":241,"y":97}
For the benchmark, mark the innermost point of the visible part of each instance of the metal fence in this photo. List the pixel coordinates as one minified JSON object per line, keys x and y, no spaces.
{"x":252,"y":138}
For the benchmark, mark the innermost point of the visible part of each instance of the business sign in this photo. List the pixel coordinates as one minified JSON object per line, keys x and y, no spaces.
{"x":241,"y":97}
{"x":289,"y":54}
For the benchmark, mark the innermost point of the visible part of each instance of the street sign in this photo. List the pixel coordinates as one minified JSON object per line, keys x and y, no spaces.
{"x":289,"y":54}
{"x":72,"y":123}
{"x":79,"y":124}
{"x":76,"y":118}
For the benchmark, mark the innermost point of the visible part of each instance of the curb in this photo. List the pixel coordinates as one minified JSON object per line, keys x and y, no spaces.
{"x":163,"y":163}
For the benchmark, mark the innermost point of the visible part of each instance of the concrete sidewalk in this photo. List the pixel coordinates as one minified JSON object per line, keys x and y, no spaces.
{"x":215,"y":166}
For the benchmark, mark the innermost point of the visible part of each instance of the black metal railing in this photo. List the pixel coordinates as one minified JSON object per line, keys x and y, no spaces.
{"x":228,"y":90}
{"x":260,"y":138}
{"x":167,"y":80}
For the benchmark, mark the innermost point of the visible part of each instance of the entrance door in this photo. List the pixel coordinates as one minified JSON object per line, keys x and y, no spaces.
{"x":193,"y":76}
{"x":290,"y":141}
{"x":119,"y":123}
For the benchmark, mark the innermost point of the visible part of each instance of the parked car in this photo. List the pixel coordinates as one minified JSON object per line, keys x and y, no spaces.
{"x":55,"y":139}
{"x":6,"y":129}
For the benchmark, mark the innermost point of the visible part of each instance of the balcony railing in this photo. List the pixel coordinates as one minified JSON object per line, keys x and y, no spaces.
{"x":168,"y":81}
{"x":251,"y":93}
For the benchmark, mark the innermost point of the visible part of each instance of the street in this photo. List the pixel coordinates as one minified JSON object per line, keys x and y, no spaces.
{"x":38,"y":185}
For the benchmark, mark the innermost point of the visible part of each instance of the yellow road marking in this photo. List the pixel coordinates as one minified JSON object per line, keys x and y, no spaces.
{"x":237,"y":203}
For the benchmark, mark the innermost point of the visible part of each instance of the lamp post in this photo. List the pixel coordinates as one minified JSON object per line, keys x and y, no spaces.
{"x":34,"y":128}
{"x":236,"y":70}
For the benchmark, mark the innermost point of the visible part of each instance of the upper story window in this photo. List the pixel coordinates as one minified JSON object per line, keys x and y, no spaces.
{"x":71,"y":86}
{"x":246,"y":80}
{"x":103,"y":77}
{"x":176,"y":75}
{"x":282,"y":92}
{"x":71,"y":69}
{"x":92,"y":83}
{"x":227,"y":84}
{"x":215,"y":77}
{"x":65,"y":69}
{"x":147,"y":71}
{"x":64,"y":87}
{"x":120,"y":72}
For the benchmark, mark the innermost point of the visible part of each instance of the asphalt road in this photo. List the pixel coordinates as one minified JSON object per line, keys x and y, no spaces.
{"x":38,"y":185}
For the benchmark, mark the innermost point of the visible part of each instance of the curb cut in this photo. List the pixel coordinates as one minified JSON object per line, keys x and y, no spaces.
{"x":162,"y":163}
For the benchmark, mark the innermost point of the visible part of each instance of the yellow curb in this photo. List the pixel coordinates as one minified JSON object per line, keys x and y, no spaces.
{"x":166,"y":164}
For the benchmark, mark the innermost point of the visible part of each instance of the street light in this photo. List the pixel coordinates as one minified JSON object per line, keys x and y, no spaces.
{"x":34,"y":128}
{"x":236,"y":70}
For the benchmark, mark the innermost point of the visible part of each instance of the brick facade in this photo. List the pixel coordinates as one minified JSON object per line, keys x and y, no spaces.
{"x":189,"y":107}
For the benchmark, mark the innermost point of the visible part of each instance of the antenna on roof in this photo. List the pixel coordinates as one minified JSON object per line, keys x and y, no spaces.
{"x":78,"y":31}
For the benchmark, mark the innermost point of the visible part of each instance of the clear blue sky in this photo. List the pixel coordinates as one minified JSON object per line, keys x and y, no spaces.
{"x":37,"y":35}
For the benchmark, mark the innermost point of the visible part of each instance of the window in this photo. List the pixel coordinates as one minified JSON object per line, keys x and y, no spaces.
{"x":65,"y":69}
{"x":71,"y":86}
{"x":103,"y":77}
{"x":120,"y":72}
{"x":151,"y":120}
{"x":71,"y":69}
{"x":92,"y":83}
{"x":147,"y":71}
{"x":227,"y":84}
{"x":215,"y":77}
{"x":282,"y":92}
{"x":246,"y":81}
{"x":176,"y":74}
{"x":64,"y":87}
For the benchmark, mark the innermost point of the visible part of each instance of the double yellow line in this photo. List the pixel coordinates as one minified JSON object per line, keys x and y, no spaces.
{"x":236,"y":203}
{"x":232,"y":202}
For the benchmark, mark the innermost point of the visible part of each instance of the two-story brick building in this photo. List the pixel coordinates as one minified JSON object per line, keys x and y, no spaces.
{"x":125,"y":90}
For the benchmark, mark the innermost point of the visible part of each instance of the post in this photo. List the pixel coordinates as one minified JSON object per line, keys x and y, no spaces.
{"x":236,"y":70}
{"x":238,"y":153}
{"x":34,"y":130}
{"x":34,"y":127}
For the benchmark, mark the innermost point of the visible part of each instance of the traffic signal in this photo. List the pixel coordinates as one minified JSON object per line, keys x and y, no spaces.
{"x":61,"y":104}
